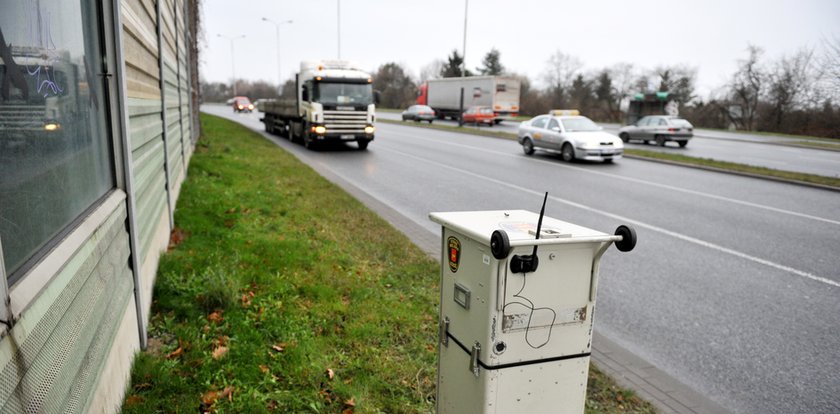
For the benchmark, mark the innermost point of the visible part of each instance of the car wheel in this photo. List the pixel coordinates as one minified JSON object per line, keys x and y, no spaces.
{"x":567,"y":152}
{"x":683,"y":144}
{"x":660,"y":140}
{"x":362,"y":144}
{"x":430,"y":122}
{"x":528,"y":146}
{"x":624,"y":136}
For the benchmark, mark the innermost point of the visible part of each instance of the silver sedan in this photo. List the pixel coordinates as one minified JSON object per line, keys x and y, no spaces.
{"x":576,"y":137}
{"x":659,"y":129}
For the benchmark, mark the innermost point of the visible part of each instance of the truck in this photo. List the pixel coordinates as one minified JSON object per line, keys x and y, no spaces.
{"x":333,"y":102}
{"x":501,"y":93}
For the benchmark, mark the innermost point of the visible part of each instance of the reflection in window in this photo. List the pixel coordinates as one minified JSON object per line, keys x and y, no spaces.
{"x":54,"y":146}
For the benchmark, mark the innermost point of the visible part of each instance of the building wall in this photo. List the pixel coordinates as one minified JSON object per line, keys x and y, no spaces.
{"x":75,"y":320}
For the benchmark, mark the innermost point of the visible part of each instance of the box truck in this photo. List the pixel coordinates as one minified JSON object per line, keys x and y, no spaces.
{"x":501,"y":93}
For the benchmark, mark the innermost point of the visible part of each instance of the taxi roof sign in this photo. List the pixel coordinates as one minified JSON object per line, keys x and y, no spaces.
{"x":564,"y":112}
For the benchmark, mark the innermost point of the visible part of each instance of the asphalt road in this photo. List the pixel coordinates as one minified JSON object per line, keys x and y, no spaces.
{"x":733,"y":288}
{"x":750,"y":149}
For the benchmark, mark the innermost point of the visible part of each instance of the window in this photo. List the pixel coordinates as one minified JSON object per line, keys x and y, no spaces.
{"x":539,"y":122}
{"x":579,"y":124}
{"x":500,"y":87}
{"x":553,"y":124}
{"x":55,"y":153}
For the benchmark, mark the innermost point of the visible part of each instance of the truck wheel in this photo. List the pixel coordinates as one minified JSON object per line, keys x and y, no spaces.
{"x":309,"y":143}
{"x":362,"y":144}
{"x":567,"y":152}
{"x":528,"y":146}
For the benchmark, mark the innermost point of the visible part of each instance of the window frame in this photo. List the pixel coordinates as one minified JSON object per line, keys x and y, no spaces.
{"x":44,"y":266}
{"x":10,"y":279}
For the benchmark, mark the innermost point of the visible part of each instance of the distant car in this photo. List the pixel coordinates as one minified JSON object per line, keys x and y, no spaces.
{"x":242,"y":104}
{"x":575,"y":137}
{"x":418,"y":113}
{"x":480,"y":115}
{"x":659,"y":129}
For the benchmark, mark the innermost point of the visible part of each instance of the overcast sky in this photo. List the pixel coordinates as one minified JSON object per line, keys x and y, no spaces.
{"x":710,"y":35}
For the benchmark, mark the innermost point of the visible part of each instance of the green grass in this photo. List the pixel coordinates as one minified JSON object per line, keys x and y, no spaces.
{"x":662,"y":156}
{"x":281,"y":293}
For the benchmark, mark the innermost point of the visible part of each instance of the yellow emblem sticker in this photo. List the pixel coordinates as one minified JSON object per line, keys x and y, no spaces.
{"x":454,"y":253}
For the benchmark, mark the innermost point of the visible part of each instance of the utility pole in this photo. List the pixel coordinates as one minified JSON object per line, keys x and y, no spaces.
{"x":232,"y":59}
{"x":464,"y":54}
{"x":338,"y":18}
{"x":277,"y":31}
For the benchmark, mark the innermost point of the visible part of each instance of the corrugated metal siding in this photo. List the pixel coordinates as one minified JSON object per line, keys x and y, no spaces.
{"x":171,"y":90}
{"x":53,"y":359}
{"x":50,"y":361}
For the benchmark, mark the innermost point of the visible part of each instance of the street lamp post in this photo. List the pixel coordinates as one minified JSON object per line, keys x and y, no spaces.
{"x":338,"y":19}
{"x":464,"y":55}
{"x":232,"y":59}
{"x":277,"y":30}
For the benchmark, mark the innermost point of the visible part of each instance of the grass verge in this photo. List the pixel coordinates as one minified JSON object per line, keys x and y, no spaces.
{"x":281,"y":293}
{"x":737,"y":168}
{"x":723,"y":166}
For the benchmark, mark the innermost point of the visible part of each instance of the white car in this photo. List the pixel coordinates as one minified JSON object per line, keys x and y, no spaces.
{"x":575,"y":137}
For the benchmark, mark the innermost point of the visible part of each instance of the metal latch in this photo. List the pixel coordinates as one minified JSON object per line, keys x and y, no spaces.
{"x":476,"y":351}
{"x":444,"y":332}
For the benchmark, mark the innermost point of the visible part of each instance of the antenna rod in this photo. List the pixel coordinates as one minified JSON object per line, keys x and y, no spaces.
{"x":539,"y":222}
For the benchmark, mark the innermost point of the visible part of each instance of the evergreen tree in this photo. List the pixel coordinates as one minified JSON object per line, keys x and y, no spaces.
{"x":452,"y":68}
{"x":491,"y":65}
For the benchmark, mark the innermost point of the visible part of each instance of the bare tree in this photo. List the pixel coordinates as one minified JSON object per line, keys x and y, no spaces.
{"x":431,"y":70}
{"x":746,"y":89}
{"x":831,"y":64}
{"x":561,"y":70}
{"x":788,"y":84}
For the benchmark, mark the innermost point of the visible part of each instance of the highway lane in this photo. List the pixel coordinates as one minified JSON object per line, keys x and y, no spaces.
{"x":733,"y":288}
{"x":756,"y":150}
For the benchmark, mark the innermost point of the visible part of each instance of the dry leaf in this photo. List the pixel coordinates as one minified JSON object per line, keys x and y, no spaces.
{"x":219,"y":352}
{"x":175,"y":238}
{"x":133,"y":400}
{"x":351,"y":402}
{"x":330,"y":373}
{"x":176,"y":353}
{"x":279,"y":347}
{"x":209,"y":398}
{"x":227,"y":393}
{"x":246,"y":300}
{"x":264,"y":369}
{"x":215,"y":317}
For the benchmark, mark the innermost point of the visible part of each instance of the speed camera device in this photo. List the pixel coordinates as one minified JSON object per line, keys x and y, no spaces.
{"x":517,"y":299}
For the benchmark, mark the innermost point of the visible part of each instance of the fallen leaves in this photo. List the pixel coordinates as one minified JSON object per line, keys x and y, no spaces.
{"x":279,"y":347}
{"x":176,"y":353}
{"x":216,"y":317}
{"x":330,"y":373}
{"x":209,"y":398}
{"x":133,"y":400}
{"x":219,"y":352}
{"x":175,"y":238}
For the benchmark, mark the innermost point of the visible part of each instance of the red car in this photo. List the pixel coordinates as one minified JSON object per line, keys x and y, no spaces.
{"x":242,"y":104}
{"x":480,"y":115}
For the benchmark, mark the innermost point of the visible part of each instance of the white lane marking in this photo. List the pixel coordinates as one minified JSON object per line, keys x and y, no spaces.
{"x":639,"y":181}
{"x":651,"y":227}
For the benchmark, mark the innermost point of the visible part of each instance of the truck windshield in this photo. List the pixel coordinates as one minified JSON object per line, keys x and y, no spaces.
{"x":343,"y":93}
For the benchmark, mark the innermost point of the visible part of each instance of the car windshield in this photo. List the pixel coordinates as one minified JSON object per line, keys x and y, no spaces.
{"x":424,"y":108}
{"x":343,"y":93}
{"x":486,"y":111}
{"x":682,"y":123}
{"x":579,"y":125}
